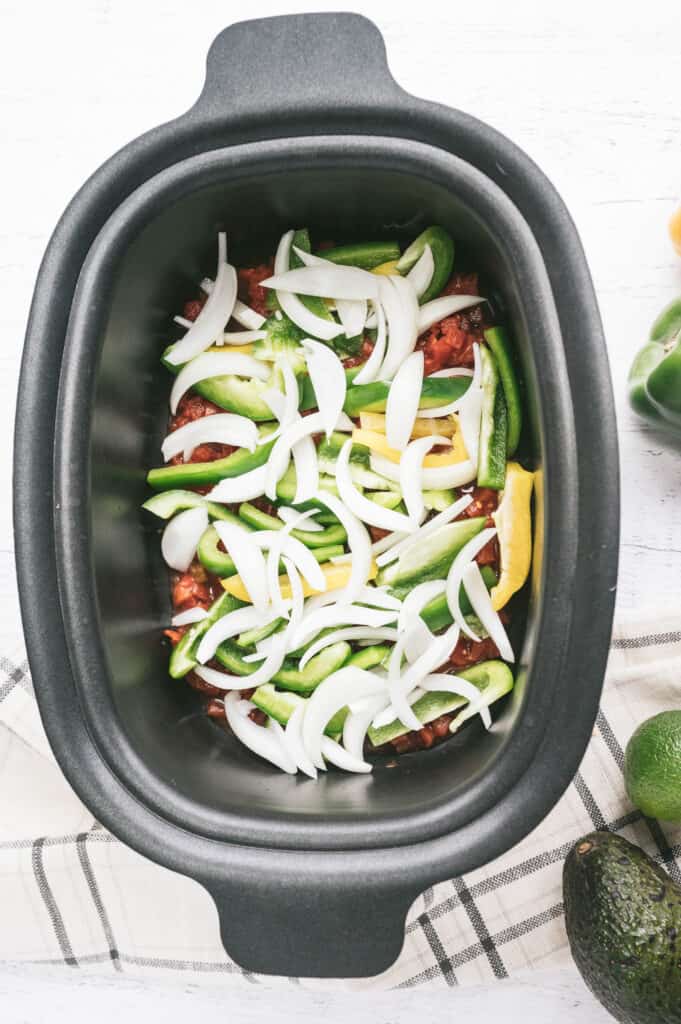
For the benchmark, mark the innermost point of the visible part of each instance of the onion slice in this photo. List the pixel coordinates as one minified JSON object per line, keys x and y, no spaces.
{"x":335,"y":692}
{"x":226,"y":627}
{"x":371,"y":368}
{"x":359,"y":543}
{"x":246,"y":316}
{"x":328,"y":381}
{"x":292,"y":305}
{"x":401,"y":683}
{"x":437,"y":309}
{"x":456,"y":573}
{"x":442,"y":682}
{"x":365,"y":509}
{"x":221,"y":428}
{"x":358,"y":721}
{"x":291,"y":516}
{"x":411,"y":473}
{"x":421,"y":274}
{"x":241,"y":337}
{"x":266,"y":743}
{"x":211,"y":321}
{"x":350,"y":633}
{"x":403,"y":543}
{"x":338,"y":755}
{"x":402,"y":311}
{"x":189,"y":617}
{"x":235,"y":489}
{"x":315,"y":621}
{"x":482,"y":606}
{"x":352,"y":314}
{"x":325,"y":279}
{"x":181,"y":537}
{"x":304,"y":454}
{"x":249,"y":561}
{"x":293,"y":738}
{"x":403,"y":401}
{"x":432,"y":478}
{"x":215,"y":364}
{"x":278,"y":461}
{"x":470,"y":421}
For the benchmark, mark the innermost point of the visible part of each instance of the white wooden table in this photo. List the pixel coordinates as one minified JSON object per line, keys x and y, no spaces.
{"x":591,"y":92}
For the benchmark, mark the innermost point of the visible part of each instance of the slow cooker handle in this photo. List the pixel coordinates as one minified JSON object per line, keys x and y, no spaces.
{"x":295,"y":64}
{"x":318,"y":925}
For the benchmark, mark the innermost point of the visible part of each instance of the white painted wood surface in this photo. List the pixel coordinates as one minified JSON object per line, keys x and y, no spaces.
{"x":591,"y":91}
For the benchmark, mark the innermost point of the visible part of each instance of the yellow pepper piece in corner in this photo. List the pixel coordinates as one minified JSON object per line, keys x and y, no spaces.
{"x":514,"y":530}
{"x":386,"y":268}
{"x":675,"y":230}
{"x":336,"y":576}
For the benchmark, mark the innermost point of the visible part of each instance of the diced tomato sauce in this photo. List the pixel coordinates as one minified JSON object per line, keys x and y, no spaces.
{"x":485,"y":501}
{"x":250,"y":291}
{"x":192,"y":308}
{"x":450,"y":342}
{"x":434,"y":732}
{"x":195,"y":588}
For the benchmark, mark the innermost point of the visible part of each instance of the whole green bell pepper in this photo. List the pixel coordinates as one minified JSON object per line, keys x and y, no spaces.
{"x":655,"y":376}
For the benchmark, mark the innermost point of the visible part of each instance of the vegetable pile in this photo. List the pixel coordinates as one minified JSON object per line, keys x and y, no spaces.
{"x":344,"y":525}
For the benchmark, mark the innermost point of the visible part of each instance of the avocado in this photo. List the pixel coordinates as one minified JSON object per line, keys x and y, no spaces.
{"x":623,"y":919}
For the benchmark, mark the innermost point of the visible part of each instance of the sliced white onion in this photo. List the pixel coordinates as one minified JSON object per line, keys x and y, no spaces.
{"x":328,"y":381}
{"x":291,"y":516}
{"x":350,"y":633}
{"x":358,"y":721}
{"x":457,"y":403}
{"x":206,"y":285}
{"x":417,"y":640}
{"x":339,"y":615}
{"x":219,"y":679}
{"x":338,"y":755}
{"x":325,"y":279}
{"x":335,"y":692}
{"x":292,"y":305}
{"x":372,"y":367}
{"x":221,"y":428}
{"x":181,"y":538}
{"x":226,"y":627}
{"x":245,"y":316}
{"x":293,"y":738}
{"x":365,"y":509}
{"x":387,"y":714}
{"x":401,"y":308}
{"x":437,"y":309}
{"x":470,"y":421}
{"x":451,"y":371}
{"x":215,"y":364}
{"x":442,"y":682}
{"x":407,"y":541}
{"x":182,"y":321}
{"x":284,"y":407}
{"x":305,"y":461}
{"x":278,"y":461}
{"x":434,"y":478}
{"x":304,"y":561}
{"x":242,"y":337}
{"x":359,"y":543}
{"x":249,"y":561}
{"x":344,"y":423}
{"x":189,"y":617}
{"x":352,"y":314}
{"x":403,"y":401}
{"x":455,"y":577}
{"x":211,"y":321}
{"x":479,"y":598}
{"x":378,"y":597}
{"x":240,"y":488}
{"x":421,"y":274}
{"x":266,"y":743}
{"x":401,"y":683}
{"x":411,"y":473}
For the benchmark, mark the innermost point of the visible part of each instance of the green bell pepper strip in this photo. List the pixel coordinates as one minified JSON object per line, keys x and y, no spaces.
{"x":655,"y":376}
{"x":198,"y":474}
{"x":366,"y":255}
{"x":251,"y":637}
{"x":436,"y":613}
{"x":498,"y":340}
{"x":333,"y":535}
{"x":373,"y":397}
{"x":221,"y":564}
{"x":280,"y":705}
{"x":493,"y":428}
{"x":169,"y":503}
{"x":183,"y":657}
{"x":442,"y":248}
{"x":288,"y":677}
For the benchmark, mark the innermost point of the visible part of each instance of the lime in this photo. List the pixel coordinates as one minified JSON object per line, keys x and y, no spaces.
{"x":652,"y":767}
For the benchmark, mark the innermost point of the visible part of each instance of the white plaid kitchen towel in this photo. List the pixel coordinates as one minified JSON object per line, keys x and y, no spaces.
{"x":71,"y":894}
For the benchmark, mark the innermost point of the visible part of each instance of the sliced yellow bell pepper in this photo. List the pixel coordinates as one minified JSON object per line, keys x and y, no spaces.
{"x":386,"y":268}
{"x":336,"y":576}
{"x":446,"y":426}
{"x":514,"y":530}
{"x":379,"y":444}
{"x":675,"y":230}
{"x":244,"y":350}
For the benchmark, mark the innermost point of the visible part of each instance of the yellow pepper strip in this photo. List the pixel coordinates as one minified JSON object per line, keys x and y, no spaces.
{"x":675,"y":230}
{"x":378,"y":443}
{"x":386,"y":268}
{"x":336,"y":576}
{"x":245,"y":350}
{"x":446,"y":426}
{"x":514,"y":530}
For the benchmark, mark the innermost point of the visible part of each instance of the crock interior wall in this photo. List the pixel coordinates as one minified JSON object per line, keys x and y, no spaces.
{"x":161,"y":269}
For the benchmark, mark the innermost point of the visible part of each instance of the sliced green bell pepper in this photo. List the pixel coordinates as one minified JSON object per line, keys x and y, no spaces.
{"x":442,"y":248}
{"x":289,"y":677}
{"x":255,"y":517}
{"x":493,"y":427}
{"x":183,"y":657}
{"x":499,"y":341}
{"x":373,"y":397}
{"x":655,"y":376}
{"x":168,"y":503}
{"x":362,"y":254}
{"x":198,"y":474}
{"x":221,"y":564}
